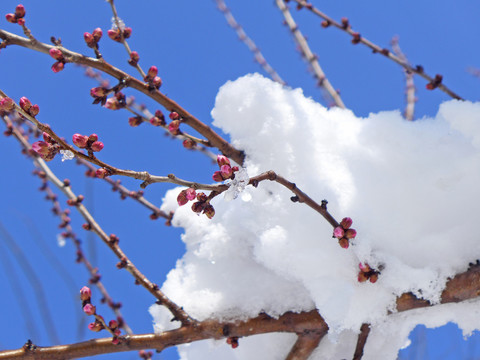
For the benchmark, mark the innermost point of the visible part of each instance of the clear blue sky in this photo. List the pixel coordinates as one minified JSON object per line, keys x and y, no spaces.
{"x":196,"y":53}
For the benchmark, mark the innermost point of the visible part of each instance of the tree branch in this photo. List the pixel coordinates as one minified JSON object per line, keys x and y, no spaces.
{"x":216,"y":140}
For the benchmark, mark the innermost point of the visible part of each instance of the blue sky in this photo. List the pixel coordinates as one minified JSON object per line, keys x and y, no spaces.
{"x":196,"y":53}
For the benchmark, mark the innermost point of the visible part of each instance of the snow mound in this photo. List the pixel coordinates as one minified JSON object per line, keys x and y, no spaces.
{"x":410,"y":188}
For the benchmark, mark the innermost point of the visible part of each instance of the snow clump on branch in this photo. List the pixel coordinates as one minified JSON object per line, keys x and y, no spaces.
{"x":410,"y":187}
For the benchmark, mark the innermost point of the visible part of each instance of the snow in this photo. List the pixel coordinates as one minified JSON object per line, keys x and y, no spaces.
{"x":410,"y":188}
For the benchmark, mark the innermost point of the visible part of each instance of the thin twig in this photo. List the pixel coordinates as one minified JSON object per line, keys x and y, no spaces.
{"x":410,"y":85}
{"x":311,"y":58}
{"x":357,"y":38}
{"x":242,"y":35}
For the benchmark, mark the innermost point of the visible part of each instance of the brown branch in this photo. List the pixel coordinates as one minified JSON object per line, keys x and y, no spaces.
{"x":305,"y":345}
{"x":328,"y":21}
{"x":216,"y":140}
{"x":311,"y":58}
{"x":259,"y":58}
{"x":362,"y":340}
{"x":410,"y":86}
{"x":462,"y":287}
{"x":209,"y":329}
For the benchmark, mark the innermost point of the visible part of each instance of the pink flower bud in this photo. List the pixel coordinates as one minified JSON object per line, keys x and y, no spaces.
{"x":362,"y":277}
{"x":92,"y":137}
{"x":7,"y":104}
{"x":182,"y":198}
{"x":198,"y":206}
{"x":174,"y":126}
{"x":21,"y":21}
{"x":95,"y":326}
{"x":34,"y":110}
{"x":114,"y":35}
{"x":364,"y":267}
{"x":226,"y":171}
{"x":20,"y":11}
{"x":80,"y":140}
{"x":56,"y":53}
{"x":134,"y":56}
{"x":135,"y":121}
{"x":209,"y":211}
{"x":191,"y":194}
{"x":157,"y":82}
{"x":97,"y":146}
{"x":41,"y":148}
{"x":346,"y":223}
{"x":58,"y":66}
{"x":343,"y":242}
{"x":89,"y":309}
{"x":25,"y":104}
{"x":97,"y":34}
{"x":48,"y":138}
{"x":89,"y":40}
{"x":217,"y":176}
{"x":189,"y":143}
{"x":113,"y":104}
{"x":98,"y":92}
{"x":222,"y":160}
{"x":127,"y":32}
{"x":338,"y":232}
{"x":174,"y":115}
{"x":202,"y":197}
{"x":85,"y":293}
{"x":101,"y":173}
{"x":152,"y":72}
{"x":11,"y":18}
{"x":350,"y":233}
{"x":155,"y":121}
{"x":373,"y":278}
{"x":113,"y":324}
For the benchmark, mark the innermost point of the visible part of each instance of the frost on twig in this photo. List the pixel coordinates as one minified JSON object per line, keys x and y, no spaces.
{"x":236,"y":185}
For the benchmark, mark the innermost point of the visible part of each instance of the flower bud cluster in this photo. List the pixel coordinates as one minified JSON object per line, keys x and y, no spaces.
{"x":57,"y":54}
{"x":18,"y":16}
{"x":174,"y":126}
{"x":116,"y":34}
{"x":92,"y":39}
{"x":46,"y":149}
{"x":202,"y":205}
{"x":158,"y":119}
{"x":99,"y":324}
{"x":226,"y":170}
{"x":99,"y":94}
{"x":344,"y":233}
{"x":90,"y":143}
{"x":27,"y":106}
{"x":367,"y":273}
{"x":116,"y":102}
{"x":152,"y":79}
{"x":233,"y":341}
